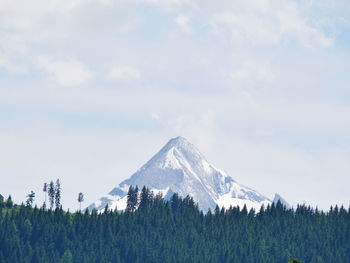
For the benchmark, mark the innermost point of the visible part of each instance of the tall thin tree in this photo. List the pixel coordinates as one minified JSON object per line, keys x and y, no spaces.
{"x":80,"y":199}
{"x":132,"y":199}
{"x":51,"y":193}
{"x":144,"y":202}
{"x":58,"y":194}
{"x":45,"y":191}
{"x":30,"y":198}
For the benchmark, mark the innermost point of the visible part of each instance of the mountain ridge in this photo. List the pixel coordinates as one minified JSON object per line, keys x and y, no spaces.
{"x":179,"y":167}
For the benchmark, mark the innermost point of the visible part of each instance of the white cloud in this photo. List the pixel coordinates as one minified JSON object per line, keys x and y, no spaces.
{"x":13,"y":68}
{"x":199,"y":127}
{"x":169,"y":5}
{"x":65,"y":72}
{"x":267,"y":22}
{"x":24,"y":15}
{"x":155,"y":116}
{"x":123,"y":73}
{"x":249,"y":74}
{"x":183,"y":22}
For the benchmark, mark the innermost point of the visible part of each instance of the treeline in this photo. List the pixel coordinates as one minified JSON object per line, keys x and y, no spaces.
{"x":155,"y":230}
{"x":52,"y":190}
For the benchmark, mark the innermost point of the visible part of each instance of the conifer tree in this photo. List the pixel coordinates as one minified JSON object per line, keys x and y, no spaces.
{"x":58,"y":194}
{"x":45,"y":191}
{"x":80,"y":199}
{"x":30,"y":198}
{"x":136,"y":196}
{"x":175,"y":202}
{"x":129,"y":202}
{"x":9,"y":202}
{"x":51,"y":193}
{"x":1,"y":201}
{"x":106,"y":209}
{"x":132,"y":199}
{"x":144,"y":198}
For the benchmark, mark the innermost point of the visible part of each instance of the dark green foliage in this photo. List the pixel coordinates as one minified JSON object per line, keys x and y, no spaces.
{"x":2,"y":204}
{"x":54,"y":192}
{"x":51,"y":193}
{"x":30,"y":198}
{"x":58,"y":194}
{"x":80,"y":199}
{"x":174,"y":231}
{"x":45,"y":188}
{"x":9,"y":202}
{"x":132,"y":199}
{"x":145,"y":199}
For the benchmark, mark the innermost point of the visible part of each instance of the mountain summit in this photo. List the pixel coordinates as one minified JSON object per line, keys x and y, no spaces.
{"x":180,"y":168}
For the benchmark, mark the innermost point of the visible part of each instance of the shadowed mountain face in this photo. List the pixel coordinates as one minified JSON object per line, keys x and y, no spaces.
{"x":180,"y":168}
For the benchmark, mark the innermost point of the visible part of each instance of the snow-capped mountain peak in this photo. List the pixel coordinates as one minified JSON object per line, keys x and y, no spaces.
{"x":180,"y":168}
{"x":177,"y":154}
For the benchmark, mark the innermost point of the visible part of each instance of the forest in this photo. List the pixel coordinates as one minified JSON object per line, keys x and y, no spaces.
{"x":155,"y":230}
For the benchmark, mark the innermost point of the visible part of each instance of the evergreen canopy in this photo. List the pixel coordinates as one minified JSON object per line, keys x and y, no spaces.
{"x":174,"y":231}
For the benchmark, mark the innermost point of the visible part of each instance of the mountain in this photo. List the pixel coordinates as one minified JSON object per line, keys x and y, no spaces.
{"x":282,"y":200}
{"x":180,"y":168}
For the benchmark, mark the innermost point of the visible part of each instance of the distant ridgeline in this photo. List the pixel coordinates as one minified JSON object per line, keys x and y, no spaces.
{"x":154,"y":230}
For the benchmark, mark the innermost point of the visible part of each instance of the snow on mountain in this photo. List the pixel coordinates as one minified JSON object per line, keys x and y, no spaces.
{"x":180,"y":168}
{"x":281,"y":199}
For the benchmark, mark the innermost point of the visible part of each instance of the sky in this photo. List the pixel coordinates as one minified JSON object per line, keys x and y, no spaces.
{"x":91,"y":89}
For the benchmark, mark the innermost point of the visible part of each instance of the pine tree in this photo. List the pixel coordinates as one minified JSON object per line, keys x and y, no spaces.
{"x":175,"y":201}
{"x":58,"y":194}
{"x":45,"y":191}
{"x":51,"y":193}
{"x":106,"y":210}
{"x":136,"y":196}
{"x":144,"y":198}
{"x":132,"y":199}
{"x":1,"y":201}
{"x":30,"y":198}
{"x":129,"y":200}
{"x":9,"y":202}
{"x":80,"y":199}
